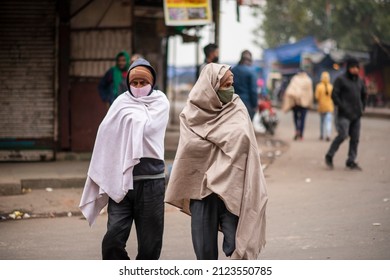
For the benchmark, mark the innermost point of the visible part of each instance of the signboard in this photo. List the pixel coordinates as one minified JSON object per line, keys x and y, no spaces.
{"x":187,"y":12}
{"x":250,"y":2}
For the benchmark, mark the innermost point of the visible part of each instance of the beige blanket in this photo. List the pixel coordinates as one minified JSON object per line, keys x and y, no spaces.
{"x":218,"y":153}
{"x":299,"y":92}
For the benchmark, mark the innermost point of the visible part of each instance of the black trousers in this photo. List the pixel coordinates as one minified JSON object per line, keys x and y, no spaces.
{"x":207,"y":216}
{"x":299,"y":115}
{"x":145,"y":206}
{"x":345,"y":128}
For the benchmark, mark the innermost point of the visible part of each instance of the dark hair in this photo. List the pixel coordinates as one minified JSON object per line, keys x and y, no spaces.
{"x":246,"y":57}
{"x":352,"y":62}
{"x":209,"y":49}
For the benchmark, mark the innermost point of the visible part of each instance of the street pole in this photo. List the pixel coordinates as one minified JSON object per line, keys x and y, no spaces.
{"x":216,"y":17}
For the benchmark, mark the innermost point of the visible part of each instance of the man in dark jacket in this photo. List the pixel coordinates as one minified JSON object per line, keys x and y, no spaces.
{"x":349,"y":95}
{"x":211,"y":55}
{"x":245,"y":82}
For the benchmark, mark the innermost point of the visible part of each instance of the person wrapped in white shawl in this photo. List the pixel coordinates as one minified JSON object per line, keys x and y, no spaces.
{"x":127,"y":167}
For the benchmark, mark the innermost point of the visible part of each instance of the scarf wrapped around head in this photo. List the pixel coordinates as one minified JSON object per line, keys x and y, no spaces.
{"x":117,"y":73}
{"x":218,"y":153}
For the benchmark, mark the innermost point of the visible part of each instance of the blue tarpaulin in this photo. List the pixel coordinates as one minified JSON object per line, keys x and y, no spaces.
{"x":288,"y":54}
{"x":291,"y":53}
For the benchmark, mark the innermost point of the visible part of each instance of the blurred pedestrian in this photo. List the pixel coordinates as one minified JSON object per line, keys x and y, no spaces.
{"x":211,"y":54}
{"x":298,"y":97}
{"x":281,"y":88}
{"x":127,"y":167}
{"x":217,"y":176}
{"x":372,"y":91}
{"x":134,"y":57}
{"x":113,"y":82}
{"x":245,"y":82}
{"x":349,"y":96}
{"x":323,"y":95}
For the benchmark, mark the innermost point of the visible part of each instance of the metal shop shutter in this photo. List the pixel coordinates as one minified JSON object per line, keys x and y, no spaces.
{"x":27,"y":80}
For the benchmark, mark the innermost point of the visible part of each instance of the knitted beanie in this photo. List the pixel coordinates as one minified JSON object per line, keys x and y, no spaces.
{"x":141,"y":72}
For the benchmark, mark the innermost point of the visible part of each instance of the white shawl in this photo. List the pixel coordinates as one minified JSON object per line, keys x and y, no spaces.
{"x":132,"y":129}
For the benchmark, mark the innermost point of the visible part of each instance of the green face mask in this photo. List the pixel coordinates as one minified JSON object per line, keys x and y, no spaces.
{"x":225,"y":95}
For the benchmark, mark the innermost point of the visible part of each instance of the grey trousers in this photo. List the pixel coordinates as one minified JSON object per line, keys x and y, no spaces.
{"x":207,"y":216}
{"x":145,"y":206}
{"x":345,"y":128}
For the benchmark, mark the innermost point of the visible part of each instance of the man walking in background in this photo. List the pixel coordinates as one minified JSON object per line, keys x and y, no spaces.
{"x":245,"y":82}
{"x":298,"y":97}
{"x":349,"y":95}
{"x":211,"y":53}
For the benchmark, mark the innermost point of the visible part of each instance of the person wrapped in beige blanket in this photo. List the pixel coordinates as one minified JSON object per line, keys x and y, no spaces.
{"x":299,"y":98}
{"x":217,"y":176}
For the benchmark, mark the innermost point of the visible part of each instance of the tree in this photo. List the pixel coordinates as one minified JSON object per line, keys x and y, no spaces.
{"x":353,"y":24}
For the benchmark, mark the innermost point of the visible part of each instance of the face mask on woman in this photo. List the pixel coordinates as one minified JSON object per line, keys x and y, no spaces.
{"x":225,"y":94}
{"x":142,"y":91}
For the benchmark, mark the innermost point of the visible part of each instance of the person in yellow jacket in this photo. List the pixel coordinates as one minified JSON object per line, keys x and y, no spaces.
{"x":323,"y":95}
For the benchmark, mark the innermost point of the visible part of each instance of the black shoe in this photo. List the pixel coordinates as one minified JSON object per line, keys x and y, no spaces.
{"x":329,"y":161}
{"x":353,"y":166}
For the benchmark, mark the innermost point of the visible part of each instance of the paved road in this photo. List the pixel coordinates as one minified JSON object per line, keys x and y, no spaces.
{"x":313,"y":213}
{"x":72,"y":239}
